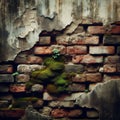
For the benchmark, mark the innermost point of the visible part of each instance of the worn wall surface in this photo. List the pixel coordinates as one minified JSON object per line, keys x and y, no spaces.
{"x":21,"y":21}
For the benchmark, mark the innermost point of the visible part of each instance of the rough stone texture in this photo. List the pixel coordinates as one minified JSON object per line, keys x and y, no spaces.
{"x":37,"y":88}
{"x":102,"y":50}
{"x":88,"y":59}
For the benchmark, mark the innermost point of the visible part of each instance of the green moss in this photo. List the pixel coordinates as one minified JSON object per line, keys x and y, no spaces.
{"x":51,"y":88}
{"x":60,"y":81}
{"x":49,"y":61}
{"x":57,"y":66}
{"x":28,"y":85}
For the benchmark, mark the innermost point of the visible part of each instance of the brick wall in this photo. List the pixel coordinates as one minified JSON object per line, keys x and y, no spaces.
{"x":91,"y":52}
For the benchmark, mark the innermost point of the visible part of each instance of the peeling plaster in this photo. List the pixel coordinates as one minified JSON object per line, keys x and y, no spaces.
{"x":26,"y":19}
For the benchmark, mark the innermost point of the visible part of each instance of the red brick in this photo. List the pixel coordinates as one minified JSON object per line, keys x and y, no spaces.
{"x":17,"y":88}
{"x":92,"y":68}
{"x":75,"y":113}
{"x":42,"y":50}
{"x":118,"y":67}
{"x":15,"y":113}
{"x":98,"y":50}
{"x":114,"y":29}
{"x":61,"y":48}
{"x":79,"y":78}
{"x":45,"y":40}
{"x":88,"y":59}
{"x":93,"y":40}
{"x":109,"y":68}
{"x":77,"y":40}
{"x":6,"y":68}
{"x":58,"y":113}
{"x":34,"y":59}
{"x":96,"y":29}
{"x":94,"y":77}
{"x":76,"y":50}
{"x":112,"y":59}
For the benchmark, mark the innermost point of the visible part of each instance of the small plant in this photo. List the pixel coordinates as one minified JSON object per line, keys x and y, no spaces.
{"x":15,"y":73}
{"x":56,"y":53}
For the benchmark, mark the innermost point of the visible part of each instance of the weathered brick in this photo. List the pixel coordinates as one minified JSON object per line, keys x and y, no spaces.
{"x":79,"y":78}
{"x":44,"y":40}
{"x":32,"y":59}
{"x":112,"y":59}
{"x":58,"y":113}
{"x":118,"y":67}
{"x":109,"y":68}
{"x":115,"y":29}
{"x":71,"y":50}
{"x":14,"y":113}
{"x":76,"y":39}
{"x":22,"y":78}
{"x":111,"y":77}
{"x":15,"y":88}
{"x":96,"y":29}
{"x":74,"y":68}
{"x":94,"y":77}
{"x":6,"y":68}
{"x":69,"y":104}
{"x":75,"y":113}
{"x":92,"y":68}
{"x":98,"y":50}
{"x":74,"y":87}
{"x":42,"y":50}
{"x":92,"y":114}
{"x":6,"y":78}
{"x":78,"y":30}
{"x":23,"y":68}
{"x":88,"y":59}
{"x":118,"y":50}
{"x":111,"y":40}
{"x":61,"y":48}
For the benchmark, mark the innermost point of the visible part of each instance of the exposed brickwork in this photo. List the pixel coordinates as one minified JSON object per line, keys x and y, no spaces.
{"x":98,"y":50}
{"x":90,"y":55}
